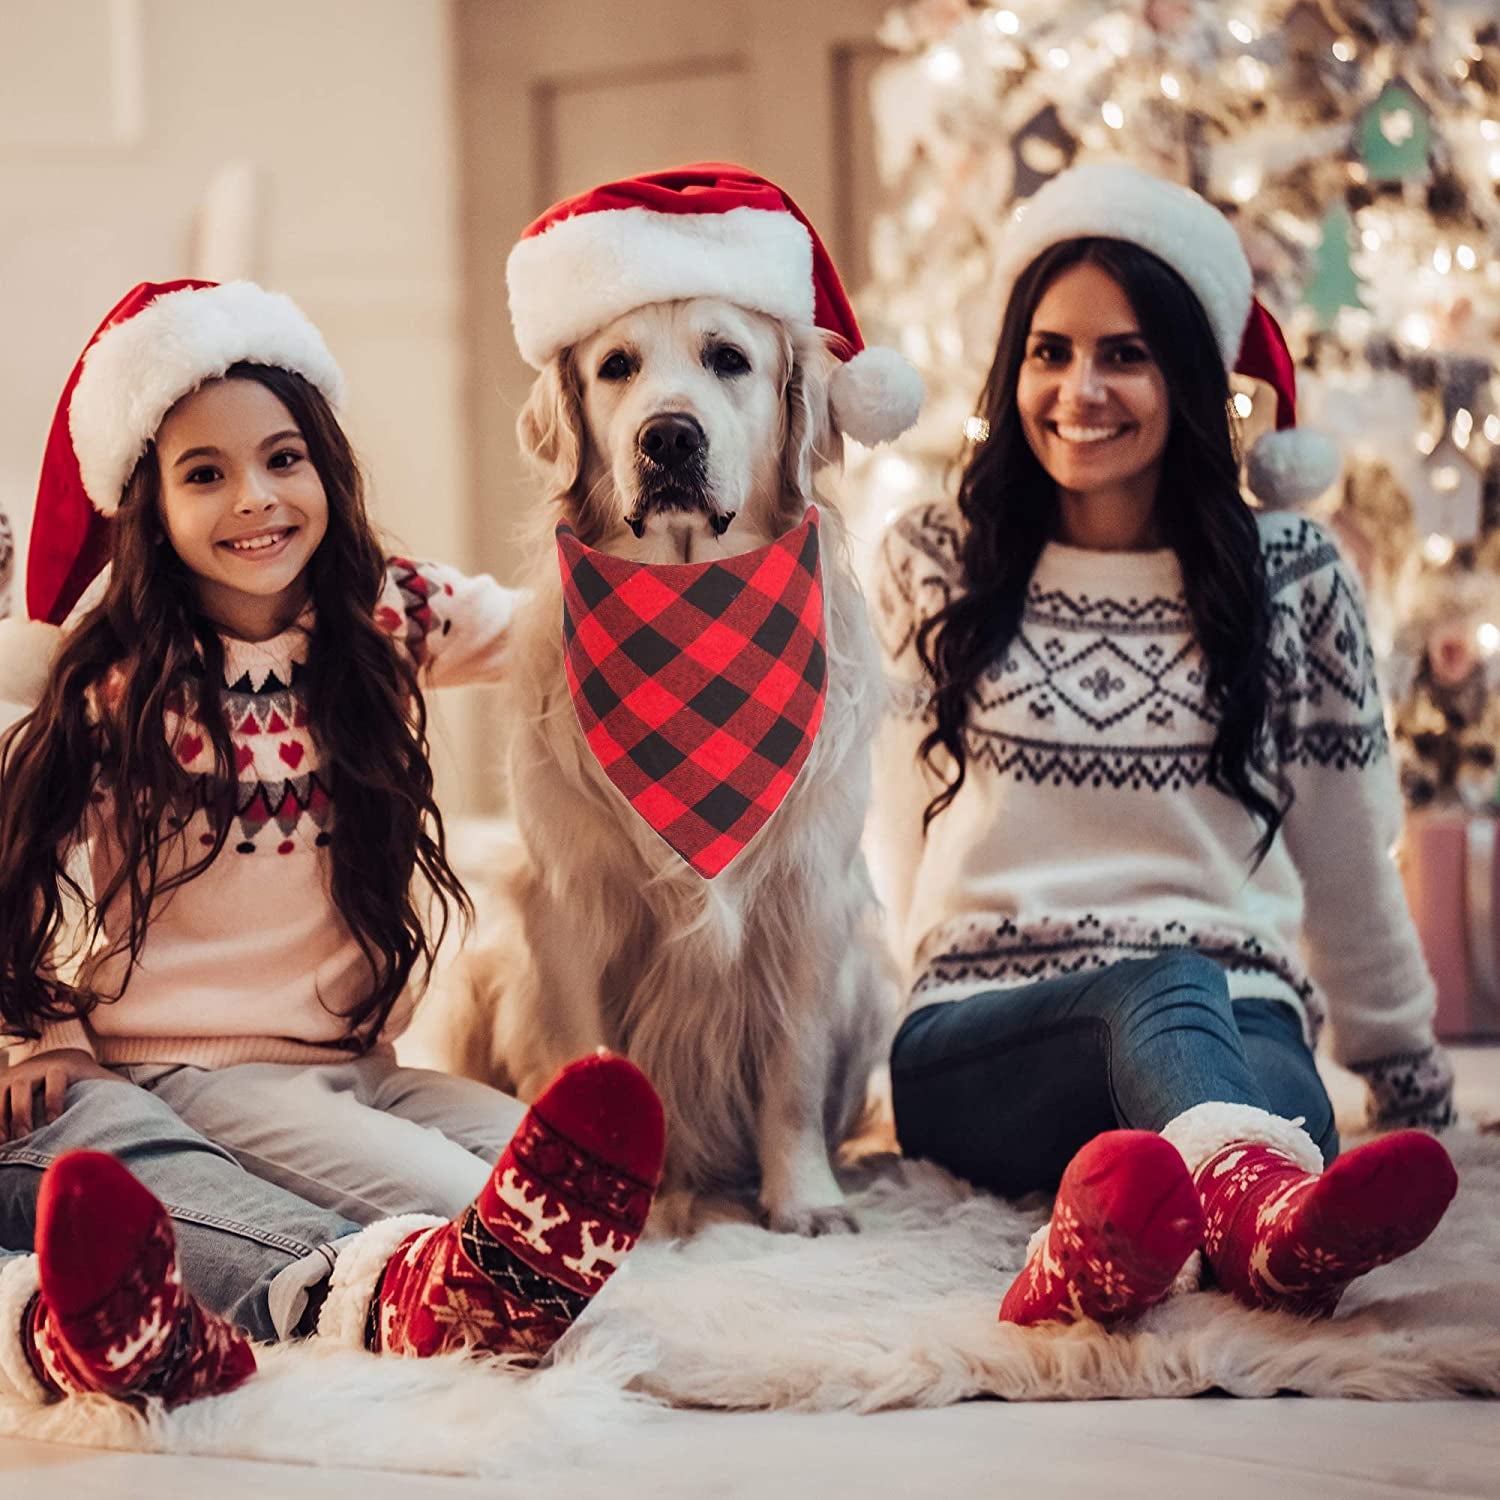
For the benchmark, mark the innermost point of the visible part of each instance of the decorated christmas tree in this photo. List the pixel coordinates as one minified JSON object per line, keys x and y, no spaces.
{"x":1356,"y":146}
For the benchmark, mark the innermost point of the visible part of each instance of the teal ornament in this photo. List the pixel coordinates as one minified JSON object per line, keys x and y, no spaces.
{"x":1394,"y":135}
{"x":1334,"y":283}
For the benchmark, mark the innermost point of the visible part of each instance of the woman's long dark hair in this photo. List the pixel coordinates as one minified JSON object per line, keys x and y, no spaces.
{"x":1009,"y":505}
{"x":142,"y":654}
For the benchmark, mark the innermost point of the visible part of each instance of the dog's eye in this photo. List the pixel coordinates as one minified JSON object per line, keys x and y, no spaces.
{"x":616,"y":367}
{"x":725,"y":359}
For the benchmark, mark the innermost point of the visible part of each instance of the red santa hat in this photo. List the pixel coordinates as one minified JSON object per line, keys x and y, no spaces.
{"x":161,"y":341}
{"x":1118,"y":201}
{"x":706,"y":230}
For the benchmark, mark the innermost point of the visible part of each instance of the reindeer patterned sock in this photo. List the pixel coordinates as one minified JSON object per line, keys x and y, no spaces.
{"x":112,"y":1315}
{"x":565,"y":1203}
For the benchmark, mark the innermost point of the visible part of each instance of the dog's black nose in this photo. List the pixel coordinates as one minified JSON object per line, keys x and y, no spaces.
{"x":670,"y":439}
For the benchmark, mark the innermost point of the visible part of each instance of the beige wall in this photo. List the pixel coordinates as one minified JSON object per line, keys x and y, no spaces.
{"x":323,"y":132}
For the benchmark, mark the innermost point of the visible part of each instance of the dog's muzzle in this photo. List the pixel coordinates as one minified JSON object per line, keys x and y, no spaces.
{"x":672,"y":469}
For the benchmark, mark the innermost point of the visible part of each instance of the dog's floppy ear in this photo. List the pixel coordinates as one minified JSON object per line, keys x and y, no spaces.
{"x":550,"y":426}
{"x":811,"y":434}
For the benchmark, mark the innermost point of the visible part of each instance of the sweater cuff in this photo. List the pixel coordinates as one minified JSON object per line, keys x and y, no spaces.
{"x":1409,"y":1090}
{"x":57,"y":1036}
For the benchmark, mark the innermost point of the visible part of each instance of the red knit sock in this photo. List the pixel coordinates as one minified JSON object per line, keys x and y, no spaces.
{"x":112,"y":1315}
{"x":1125,"y":1220}
{"x":561,"y":1209}
{"x":1278,"y":1236}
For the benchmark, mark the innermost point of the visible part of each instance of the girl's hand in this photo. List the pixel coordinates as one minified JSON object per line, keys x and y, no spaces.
{"x":32,"y":1092}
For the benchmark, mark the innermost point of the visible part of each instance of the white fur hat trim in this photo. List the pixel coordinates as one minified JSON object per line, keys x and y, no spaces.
{"x":581,"y":273}
{"x":135,"y":372}
{"x":1116,"y":200}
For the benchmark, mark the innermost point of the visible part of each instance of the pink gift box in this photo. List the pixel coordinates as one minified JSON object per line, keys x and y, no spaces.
{"x":1450,"y":864}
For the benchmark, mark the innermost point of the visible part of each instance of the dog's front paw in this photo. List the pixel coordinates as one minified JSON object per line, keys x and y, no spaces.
{"x":812,"y":1220}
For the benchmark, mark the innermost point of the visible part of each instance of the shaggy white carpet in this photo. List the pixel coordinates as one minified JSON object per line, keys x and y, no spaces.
{"x":900,"y":1315}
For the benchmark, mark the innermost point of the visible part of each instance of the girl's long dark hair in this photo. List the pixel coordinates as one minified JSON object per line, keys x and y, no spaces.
{"x":1009,"y":505}
{"x":145,"y":652}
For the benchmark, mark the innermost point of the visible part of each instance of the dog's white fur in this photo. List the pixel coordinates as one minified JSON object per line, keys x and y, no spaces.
{"x":758,"y":1003}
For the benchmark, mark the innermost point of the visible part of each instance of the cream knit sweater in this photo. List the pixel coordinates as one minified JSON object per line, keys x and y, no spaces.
{"x":1087,"y":832}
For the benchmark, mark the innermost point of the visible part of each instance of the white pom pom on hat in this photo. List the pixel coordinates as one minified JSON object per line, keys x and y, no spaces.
{"x":710,"y":229}
{"x":1117,"y":200}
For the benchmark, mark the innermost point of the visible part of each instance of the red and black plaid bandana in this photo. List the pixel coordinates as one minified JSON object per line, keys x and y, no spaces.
{"x":699,"y":686}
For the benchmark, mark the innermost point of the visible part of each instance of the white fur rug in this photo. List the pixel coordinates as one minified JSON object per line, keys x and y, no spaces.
{"x":900,"y":1315}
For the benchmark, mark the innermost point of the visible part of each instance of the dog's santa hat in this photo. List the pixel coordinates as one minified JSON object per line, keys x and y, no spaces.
{"x":161,"y":341}
{"x":1118,"y":201}
{"x":706,"y":230}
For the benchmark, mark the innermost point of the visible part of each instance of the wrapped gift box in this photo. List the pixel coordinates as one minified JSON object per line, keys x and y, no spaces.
{"x":1450,"y":864}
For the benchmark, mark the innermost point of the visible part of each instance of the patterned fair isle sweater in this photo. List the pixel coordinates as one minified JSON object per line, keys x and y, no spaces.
{"x":250,"y":960}
{"x":1086,"y":831}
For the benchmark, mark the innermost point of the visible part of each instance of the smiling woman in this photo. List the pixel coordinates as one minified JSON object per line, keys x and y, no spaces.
{"x":1139,"y":804}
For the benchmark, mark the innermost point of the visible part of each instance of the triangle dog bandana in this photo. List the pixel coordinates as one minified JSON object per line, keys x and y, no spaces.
{"x":699,"y":686}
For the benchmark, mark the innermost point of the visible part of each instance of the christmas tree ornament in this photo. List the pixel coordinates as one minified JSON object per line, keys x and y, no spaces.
{"x":1334,"y":284}
{"x":1447,"y":496}
{"x":1393,"y":135}
{"x":1043,"y":148}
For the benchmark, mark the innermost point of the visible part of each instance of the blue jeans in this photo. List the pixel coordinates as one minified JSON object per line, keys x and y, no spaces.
{"x":249,"y":1250}
{"x":1004,"y":1087}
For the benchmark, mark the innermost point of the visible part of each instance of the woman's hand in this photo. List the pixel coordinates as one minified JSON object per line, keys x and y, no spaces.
{"x":1411,"y":1090}
{"x":32,"y":1092}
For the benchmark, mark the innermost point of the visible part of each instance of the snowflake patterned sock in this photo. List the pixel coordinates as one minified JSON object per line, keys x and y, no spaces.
{"x":112,"y":1315}
{"x":1125,"y":1221}
{"x":1278,"y":1236}
{"x":565,"y":1203}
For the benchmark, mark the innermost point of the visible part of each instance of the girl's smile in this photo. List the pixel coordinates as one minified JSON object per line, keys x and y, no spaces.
{"x":261,"y":546}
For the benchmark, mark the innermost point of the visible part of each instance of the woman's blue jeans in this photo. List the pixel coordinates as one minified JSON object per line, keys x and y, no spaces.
{"x":250,"y":1251}
{"x":1004,"y":1087}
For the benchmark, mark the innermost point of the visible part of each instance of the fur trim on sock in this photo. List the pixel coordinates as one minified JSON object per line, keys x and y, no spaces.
{"x":1190,"y":1277}
{"x":356,"y":1275}
{"x":19,"y":1283}
{"x":1205,"y":1129}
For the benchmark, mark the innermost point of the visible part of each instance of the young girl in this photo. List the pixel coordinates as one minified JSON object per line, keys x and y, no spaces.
{"x":233,"y":736}
{"x":1141,"y":773}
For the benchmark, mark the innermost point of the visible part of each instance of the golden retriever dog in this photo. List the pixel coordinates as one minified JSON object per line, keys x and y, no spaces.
{"x":758,"y":1002}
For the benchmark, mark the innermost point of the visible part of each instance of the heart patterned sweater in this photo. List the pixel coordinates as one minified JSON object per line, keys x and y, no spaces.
{"x":249,"y":961}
